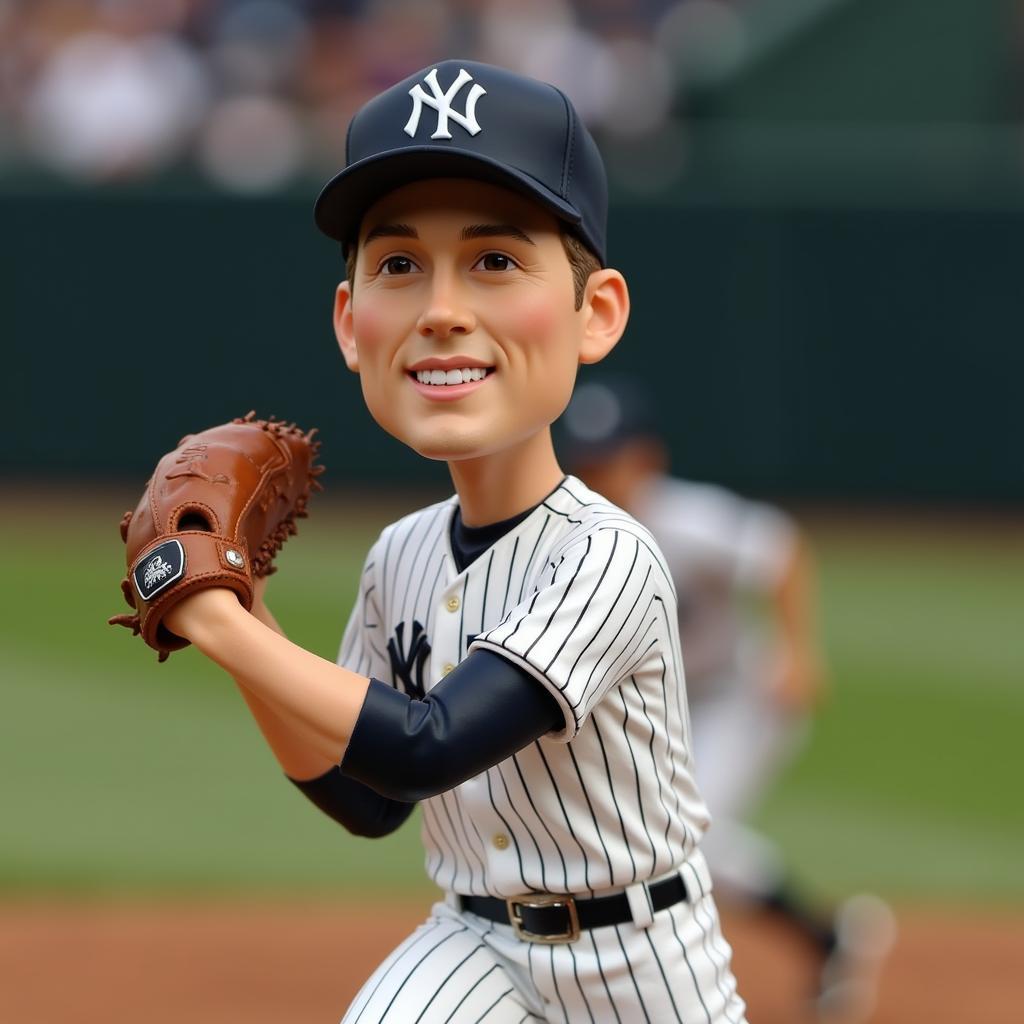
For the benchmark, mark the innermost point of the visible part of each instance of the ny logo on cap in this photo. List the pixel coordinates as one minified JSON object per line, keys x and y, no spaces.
{"x":442,"y":103}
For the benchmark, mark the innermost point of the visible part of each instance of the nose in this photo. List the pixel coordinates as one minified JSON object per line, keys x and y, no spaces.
{"x":447,"y":311}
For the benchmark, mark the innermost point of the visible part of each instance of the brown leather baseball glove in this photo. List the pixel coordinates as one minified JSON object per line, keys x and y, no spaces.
{"x":214,"y":514}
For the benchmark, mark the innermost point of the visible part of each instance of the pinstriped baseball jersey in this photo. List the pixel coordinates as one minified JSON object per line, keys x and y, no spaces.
{"x":719,"y":547}
{"x":458,"y":968}
{"x":579,"y":596}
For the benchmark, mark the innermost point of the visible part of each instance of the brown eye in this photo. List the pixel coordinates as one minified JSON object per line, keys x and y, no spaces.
{"x":395,"y":265}
{"x":495,"y":261}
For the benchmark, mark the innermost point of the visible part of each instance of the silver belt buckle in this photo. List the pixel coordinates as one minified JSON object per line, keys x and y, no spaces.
{"x":537,"y":901}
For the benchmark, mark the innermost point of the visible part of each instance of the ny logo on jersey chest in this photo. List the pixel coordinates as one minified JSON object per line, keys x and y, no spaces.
{"x":407,"y":664}
{"x":441,"y":101}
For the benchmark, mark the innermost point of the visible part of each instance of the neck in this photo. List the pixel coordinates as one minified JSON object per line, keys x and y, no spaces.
{"x":505,"y":483}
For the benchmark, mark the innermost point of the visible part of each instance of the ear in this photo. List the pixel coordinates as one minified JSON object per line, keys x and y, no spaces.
{"x":343,"y":328}
{"x":606,"y":311}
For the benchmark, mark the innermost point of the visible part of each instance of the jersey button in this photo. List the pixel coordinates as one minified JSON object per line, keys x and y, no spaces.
{"x":500,"y":841}
{"x":452,"y":604}
{"x":447,"y":668}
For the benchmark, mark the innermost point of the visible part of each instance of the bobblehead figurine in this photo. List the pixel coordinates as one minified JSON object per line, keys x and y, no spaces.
{"x":512,"y":663}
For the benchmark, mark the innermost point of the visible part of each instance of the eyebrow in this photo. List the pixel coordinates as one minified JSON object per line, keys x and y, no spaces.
{"x":390,"y":231}
{"x":495,"y":231}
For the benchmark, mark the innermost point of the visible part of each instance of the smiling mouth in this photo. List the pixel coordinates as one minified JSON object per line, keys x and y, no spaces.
{"x":448,"y":378}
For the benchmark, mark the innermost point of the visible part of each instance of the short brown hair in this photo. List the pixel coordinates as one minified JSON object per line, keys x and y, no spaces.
{"x":582,"y":262}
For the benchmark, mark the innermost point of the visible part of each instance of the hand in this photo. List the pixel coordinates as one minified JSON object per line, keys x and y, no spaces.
{"x":797,"y":683}
{"x":259,"y":590}
{"x":259,"y":608}
{"x":205,"y":610}
{"x":189,"y":530}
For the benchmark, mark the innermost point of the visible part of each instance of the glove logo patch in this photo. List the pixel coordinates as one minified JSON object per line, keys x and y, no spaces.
{"x":159,"y":569}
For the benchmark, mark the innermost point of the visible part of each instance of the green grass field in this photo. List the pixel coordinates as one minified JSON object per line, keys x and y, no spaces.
{"x":123,"y":776}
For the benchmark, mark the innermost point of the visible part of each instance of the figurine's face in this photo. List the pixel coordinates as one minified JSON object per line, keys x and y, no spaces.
{"x":462,"y":321}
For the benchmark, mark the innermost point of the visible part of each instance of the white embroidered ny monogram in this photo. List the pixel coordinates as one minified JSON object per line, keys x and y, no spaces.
{"x":442,"y":103}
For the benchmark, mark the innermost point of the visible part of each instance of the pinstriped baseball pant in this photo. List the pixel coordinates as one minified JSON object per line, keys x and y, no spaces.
{"x":458,"y":968}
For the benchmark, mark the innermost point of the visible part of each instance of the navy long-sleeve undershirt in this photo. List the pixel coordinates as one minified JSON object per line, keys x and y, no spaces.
{"x":403,"y":750}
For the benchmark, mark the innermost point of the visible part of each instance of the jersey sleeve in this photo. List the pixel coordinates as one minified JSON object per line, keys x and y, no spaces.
{"x":590,"y":620}
{"x":364,"y":644}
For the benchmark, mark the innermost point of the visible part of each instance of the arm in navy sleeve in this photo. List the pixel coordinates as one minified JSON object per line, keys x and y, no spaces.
{"x":481,"y":713}
{"x":356,"y":807}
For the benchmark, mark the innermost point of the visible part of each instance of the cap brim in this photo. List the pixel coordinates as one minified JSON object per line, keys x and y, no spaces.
{"x":350,"y":193}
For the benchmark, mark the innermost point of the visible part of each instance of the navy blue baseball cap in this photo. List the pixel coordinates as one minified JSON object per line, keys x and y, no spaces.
{"x":461,"y":119}
{"x":604,"y":414}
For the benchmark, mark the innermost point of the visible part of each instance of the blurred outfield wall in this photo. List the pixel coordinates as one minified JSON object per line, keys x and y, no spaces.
{"x":826,"y":294}
{"x":819,"y":350}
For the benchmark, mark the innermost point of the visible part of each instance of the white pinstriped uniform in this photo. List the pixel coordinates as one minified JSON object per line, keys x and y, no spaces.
{"x":719,"y":547}
{"x":579,"y":596}
{"x":722,"y":548}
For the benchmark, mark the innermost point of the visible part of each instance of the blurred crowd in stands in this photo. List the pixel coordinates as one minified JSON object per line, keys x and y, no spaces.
{"x":254,"y":95}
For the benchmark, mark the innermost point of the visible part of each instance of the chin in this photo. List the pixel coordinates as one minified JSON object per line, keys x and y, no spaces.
{"x":448,"y":450}
{"x":453,"y":445}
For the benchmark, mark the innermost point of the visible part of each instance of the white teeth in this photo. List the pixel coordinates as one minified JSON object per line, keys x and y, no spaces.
{"x":463,"y":376}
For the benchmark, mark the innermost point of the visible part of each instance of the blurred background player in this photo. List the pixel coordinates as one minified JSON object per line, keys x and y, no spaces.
{"x":754,"y":671}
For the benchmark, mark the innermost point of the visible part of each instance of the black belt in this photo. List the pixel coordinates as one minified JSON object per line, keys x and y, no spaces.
{"x":560,"y":917}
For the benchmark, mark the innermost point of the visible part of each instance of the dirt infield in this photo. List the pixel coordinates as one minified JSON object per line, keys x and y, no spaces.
{"x":298,"y":963}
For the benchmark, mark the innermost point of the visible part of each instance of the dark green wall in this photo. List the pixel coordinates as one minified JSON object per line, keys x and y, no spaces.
{"x":825,"y":350}
{"x":827,"y":303}
{"x":879,"y":61}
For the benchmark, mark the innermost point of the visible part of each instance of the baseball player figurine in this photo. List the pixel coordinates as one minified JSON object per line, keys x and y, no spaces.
{"x":512,"y":662}
{"x":752,"y":684}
